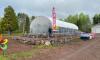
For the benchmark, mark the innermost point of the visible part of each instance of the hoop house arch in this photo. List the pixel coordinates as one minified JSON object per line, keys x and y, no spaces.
{"x":41,"y":24}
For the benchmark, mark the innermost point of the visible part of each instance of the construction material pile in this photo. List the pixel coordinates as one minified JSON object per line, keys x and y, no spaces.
{"x":41,"y":39}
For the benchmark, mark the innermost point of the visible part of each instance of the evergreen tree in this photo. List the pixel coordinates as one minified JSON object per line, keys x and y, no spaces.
{"x":9,"y":22}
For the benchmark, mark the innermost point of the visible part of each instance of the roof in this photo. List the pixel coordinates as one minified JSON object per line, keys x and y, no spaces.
{"x":58,"y":22}
{"x":65,"y":24}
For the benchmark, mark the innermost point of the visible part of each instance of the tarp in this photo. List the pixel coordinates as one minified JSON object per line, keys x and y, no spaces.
{"x":41,"y":25}
{"x":65,"y":24}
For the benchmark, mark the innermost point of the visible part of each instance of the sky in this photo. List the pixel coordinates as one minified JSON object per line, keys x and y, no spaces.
{"x":44,"y":7}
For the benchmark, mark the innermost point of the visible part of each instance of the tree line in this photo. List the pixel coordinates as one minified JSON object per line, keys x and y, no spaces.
{"x":82,"y":21}
{"x":12,"y":22}
{"x":96,"y":19}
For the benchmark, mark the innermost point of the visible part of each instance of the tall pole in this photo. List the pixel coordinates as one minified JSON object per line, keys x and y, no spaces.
{"x":54,"y":18}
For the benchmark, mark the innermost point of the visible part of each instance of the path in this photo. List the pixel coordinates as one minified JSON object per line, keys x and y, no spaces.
{"x":89,"y":50}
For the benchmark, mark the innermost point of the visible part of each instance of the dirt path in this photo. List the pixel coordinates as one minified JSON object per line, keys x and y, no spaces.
{"x":85,"y":51}
{"x":89,"y":52}
{"x":14,"y":46}
{"x":82,"y":50}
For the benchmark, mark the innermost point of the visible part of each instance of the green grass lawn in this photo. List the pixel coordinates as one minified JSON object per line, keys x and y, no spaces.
{"x":4,"y":57}
{"x":25,"y":54}
{"x":19,"y":55}
{"x":13,"y":34}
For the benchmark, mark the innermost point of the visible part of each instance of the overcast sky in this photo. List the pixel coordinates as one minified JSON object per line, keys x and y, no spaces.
{"x":44,"y":7}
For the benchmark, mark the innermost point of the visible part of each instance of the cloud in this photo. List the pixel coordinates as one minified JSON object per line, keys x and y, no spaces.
{"x":44,"y":7}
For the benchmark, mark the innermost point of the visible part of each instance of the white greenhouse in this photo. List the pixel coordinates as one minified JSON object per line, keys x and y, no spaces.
{"x":40,"y":25}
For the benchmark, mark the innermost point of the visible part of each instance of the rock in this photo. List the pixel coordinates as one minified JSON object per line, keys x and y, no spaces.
{"x":24,"y":42}
{"x":47,"y":43}
{"x":42,"y":42}
{"x":37,"y":42}
{"x":31,"y":42}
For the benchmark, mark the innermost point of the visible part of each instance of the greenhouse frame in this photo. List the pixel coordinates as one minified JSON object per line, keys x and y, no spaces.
{"x":41,"y":24}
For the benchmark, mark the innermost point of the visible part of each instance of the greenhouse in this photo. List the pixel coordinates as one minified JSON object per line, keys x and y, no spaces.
{"x":41,"y":24}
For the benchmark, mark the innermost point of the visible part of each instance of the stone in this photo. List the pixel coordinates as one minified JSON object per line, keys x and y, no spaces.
{"x":47,"y":43}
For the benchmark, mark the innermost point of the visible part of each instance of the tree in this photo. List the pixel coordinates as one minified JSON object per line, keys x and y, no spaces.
{"x":84,"y":23}
{"x":81,"y":20}
{"x":0,"y":25}
{"x":24,"y":22}
{"x":2,"y":28}
{"x":32,"y":18}
{"x":21,"y":21}
{"x":96,"y":19}
{"x":9,"y":22}
{"x":27,"y":24}
{"x":69,"y":19}
{"x":72,"y":19}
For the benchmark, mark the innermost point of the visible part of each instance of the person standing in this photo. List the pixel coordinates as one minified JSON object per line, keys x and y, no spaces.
{"x":50,"y":32}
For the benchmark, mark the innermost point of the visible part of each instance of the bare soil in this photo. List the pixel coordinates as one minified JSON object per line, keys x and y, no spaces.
{"x":75,"y":50}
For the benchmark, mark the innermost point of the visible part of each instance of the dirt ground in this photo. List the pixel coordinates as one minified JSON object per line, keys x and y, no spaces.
{"x":75,"y":50}
{"x":15,"y":46}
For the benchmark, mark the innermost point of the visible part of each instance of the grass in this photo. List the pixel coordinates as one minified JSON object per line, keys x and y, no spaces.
{"x":4,"y":57}
{"x":13,"y":34}
{"x":25,"y":54}
{"x":28,"y":54}
{"x":19,"y":55}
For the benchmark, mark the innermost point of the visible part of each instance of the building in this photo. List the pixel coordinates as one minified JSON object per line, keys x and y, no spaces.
{"x":96,"y":28}
{"x":40,"y":25}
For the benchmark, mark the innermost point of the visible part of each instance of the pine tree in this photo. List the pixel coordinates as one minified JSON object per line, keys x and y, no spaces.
{"x":10,"y":22}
